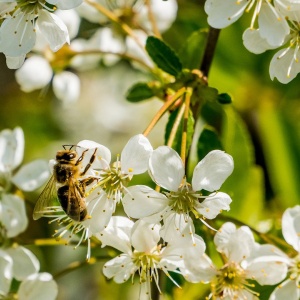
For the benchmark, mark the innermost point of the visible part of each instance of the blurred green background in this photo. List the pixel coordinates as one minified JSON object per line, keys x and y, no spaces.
{"x":261,"y":130}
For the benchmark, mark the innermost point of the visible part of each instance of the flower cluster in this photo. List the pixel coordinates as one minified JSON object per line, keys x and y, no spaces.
{"x":44,"y":27}
{"x":160,"y":231}
{"x":17,"y":262}
{"x":167,"y":216}
{"x":274,"y":24}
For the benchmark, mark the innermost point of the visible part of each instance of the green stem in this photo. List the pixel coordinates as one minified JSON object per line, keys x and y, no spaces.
{"x":164,"y":109}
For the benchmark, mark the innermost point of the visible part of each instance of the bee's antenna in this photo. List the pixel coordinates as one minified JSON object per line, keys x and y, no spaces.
{"x":71,"y":146}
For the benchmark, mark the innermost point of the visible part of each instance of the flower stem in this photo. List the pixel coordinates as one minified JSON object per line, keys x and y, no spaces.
{"x":176,"y":125}
{"x":152,"y":19}
{"x":110,"y":15}
{"x":211,"y":44}
{"x":164,"y":109}
{"x":188,"y":95}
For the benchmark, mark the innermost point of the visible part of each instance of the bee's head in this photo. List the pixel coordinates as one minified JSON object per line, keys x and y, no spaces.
{"x":67,"y":156}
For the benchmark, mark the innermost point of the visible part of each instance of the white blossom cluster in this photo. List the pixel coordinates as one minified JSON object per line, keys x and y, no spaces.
{"x":159,"y":232}
{"x":274,"y":24}
{"x":17,"y":262}
{"x":45,"y":33}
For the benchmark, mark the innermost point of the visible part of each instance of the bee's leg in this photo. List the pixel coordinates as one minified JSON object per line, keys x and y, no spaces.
{"x":90,"y":162}
{"x":81,"y":157}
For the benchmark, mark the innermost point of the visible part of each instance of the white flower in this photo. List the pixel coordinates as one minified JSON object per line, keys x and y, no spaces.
{"x":285,"y":63}
{"x":110,"y":40}
{"x":36,"y":73}
{"x":164,"y":12}
{"x":28,"y":178}
{"x":273,"y":26}
{"x":174,"y":207}
{"x":102,"y":195}
{"x":290,"y":230}
{"x":31,"y":175}
{"x":38,"y":286}
{"x":16,"y":262}
{"x":20,"y":263}
{"x":114,"y":178}
{"x":142,"y":253}
{"x":245,"y":261}
{"x":18,"y":33}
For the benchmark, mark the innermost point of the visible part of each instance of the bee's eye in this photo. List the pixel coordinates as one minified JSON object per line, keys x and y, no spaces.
{"x":71,"y":155}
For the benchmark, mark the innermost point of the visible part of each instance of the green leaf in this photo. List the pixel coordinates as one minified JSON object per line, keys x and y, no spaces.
{"x":224,"y":98}
{"x":280,"y":155}
{"x":237,"y":142}
{"x":192,"y":51}
{"x":164,"y":57}
{"x":138,"y":92}
{"x":208,"y":141}
{"x":178,"y":137}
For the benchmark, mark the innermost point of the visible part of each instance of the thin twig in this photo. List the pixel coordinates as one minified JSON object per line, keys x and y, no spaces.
{"x":211,"y":44}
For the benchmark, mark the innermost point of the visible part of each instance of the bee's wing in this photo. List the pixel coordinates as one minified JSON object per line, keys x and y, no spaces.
{"x":46,"y":199}
{"x":74,"y":199}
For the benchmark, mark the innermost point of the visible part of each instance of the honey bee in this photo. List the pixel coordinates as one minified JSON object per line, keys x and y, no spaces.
{"x":67,"y":175}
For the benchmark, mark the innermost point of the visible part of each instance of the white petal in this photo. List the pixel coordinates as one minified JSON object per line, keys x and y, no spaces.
{"x":201,"y":270}
{"x":178,"y":229}
{"x":38,"y":286}
{"x":6,"y":265}
{"x":291,"y":226}
{"x":100,"y":210}
{"x":212,"y":171}
{"x":141,"y":201}
{"x":222,"y":13}
{"x":285,"y":65}
{"x":35,"y":73}
{"x":66,"y":86}
{"x":25,"y":262}
{"x":90,"y":13}
{"x":68,"y":4}
{"x":108,"y":41}
{"x":15,"y":62}
{"x":273,"y":26}
{"x":214,"y":205}
{"x":166,"y":168}
{"x":235,"y":244}
{"x":135,"y":155}
{"x":117,"y":234}
{"x":103,"y":154}
{"x":17,"y":36}
{"x":11,"y":148}
{"x":267,"y":272}
{"x":121,"y":268}
{"x":183,"y":255}
{"x":254,"y":42}
{"x":13,"y":214}
{"x":71,"y":20}
{"x":286,"y":290}
{"x":32,"y":175}
{"x":144,"y":236}
{"x":53,"y":29}
{"x":164,"y":13}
